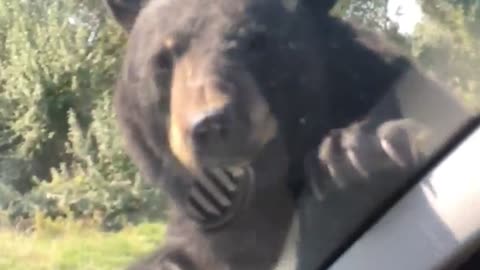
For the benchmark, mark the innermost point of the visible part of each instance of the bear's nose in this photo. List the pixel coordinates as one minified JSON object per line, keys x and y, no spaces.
{"x":210,"y":129}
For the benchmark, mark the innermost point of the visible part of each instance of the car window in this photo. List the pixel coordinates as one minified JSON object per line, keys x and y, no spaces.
{"x":342,"y":217}
{"x":205,"y":134}
{"x":431,"y":226}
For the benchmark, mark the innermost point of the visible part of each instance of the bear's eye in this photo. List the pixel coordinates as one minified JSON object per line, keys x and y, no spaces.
{"x":162,"y":66}
{"x":164,"y":61}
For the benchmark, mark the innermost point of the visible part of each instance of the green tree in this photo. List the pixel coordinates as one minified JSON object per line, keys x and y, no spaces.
{"x":372,"y":15}
{"x":59,"y":144}
{"x":447,"y":44}
{"x":369,"y":13}
{"x":56,"y":56}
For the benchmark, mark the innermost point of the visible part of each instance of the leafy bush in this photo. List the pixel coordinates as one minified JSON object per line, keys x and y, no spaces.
{"x":98,"y":183}
{"x":7,"y":195}
{"x":59,"y":145}
{"x":56,"y":57}
{"x":447,"y":44}
{"x":111,"y":204}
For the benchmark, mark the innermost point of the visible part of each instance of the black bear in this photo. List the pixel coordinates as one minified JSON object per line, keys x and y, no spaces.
{"x":247,"y":111}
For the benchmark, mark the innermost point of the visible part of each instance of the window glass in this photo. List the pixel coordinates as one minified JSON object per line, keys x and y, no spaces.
{"x":435,"y":37}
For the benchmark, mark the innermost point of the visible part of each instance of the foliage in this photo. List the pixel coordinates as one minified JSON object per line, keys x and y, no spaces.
{"x":7,"y":195}
{"x":59,"y":144}
{"x":447,"y":44}
{"x":372,"y":15}
{"x":111,"y":204}
{"x":56,"y":58}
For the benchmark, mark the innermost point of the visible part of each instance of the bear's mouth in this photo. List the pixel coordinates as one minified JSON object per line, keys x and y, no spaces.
{"x":219,"y":194}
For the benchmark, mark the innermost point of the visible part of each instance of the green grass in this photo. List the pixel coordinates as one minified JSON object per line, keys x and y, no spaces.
{"x":71,"y":246}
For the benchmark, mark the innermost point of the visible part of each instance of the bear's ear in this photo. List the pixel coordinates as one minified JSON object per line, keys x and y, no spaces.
{"x":125,"y":11}
{"x":318,"y":7}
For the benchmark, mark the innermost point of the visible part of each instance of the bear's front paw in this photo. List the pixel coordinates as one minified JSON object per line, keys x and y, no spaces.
{"x":357,"y":154}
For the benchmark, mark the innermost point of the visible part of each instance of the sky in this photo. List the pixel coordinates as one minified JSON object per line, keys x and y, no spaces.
{"x":407,"y":13}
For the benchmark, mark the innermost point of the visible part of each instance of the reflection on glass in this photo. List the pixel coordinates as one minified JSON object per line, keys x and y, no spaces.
{"x":441,"y":43}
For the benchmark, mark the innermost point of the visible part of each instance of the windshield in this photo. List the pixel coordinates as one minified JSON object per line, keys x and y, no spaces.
{"x":206,"y":134}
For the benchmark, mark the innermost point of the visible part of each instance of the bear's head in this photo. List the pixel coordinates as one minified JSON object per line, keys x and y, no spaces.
{"x":213,"y":84}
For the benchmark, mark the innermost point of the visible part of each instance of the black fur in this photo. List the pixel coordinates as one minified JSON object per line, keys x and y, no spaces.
{"x":320,"y":78}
